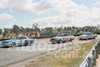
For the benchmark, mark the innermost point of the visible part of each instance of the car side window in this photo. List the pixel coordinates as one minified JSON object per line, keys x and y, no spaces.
{"x":24,"y":38}
{"x":21,"y":38}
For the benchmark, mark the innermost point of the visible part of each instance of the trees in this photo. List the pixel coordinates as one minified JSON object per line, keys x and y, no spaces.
{"x":0,"y":31}
{"x":7,"y":30}
{"x":35,"y":28}
{"x":65,"y":29}
{"x":28,"y":30}
{"x":4,"y":34}
{"x":23,"y":30}
{"x":49,"y":30}
{"x":16,"y":29}
{"x":60,"y":29}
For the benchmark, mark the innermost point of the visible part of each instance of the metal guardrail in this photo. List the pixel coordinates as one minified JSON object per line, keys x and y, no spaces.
{"x":90,"y":60}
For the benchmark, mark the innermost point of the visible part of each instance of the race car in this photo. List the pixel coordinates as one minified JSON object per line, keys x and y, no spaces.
{"x":55,"y":40}
{"x":87,"y":36}
{"x":18,"y":41}
{"x":62,"y":38}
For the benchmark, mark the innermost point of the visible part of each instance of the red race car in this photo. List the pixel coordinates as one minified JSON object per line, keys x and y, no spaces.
{"x":61,"y":38}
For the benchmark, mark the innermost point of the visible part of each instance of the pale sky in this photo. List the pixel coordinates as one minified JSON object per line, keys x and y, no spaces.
{"x":52,"y":13}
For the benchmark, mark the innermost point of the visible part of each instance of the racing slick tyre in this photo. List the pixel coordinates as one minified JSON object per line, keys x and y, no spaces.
{"x":53,"y":43}
{"x":60,"y":41}
{"x":64,"y":41}
{"x":93,"y":37}
{"x":87,"y":38}
{"x":71,"y":40}
{"x":13,"y":45}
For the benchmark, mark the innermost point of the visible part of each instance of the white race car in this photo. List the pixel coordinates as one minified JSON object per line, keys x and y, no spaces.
{"x":62,"y":38}
{"x":87,"y":35}
{"x":17,"y":41}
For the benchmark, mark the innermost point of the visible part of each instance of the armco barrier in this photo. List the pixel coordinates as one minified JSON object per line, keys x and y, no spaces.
{"x":90,"y":60}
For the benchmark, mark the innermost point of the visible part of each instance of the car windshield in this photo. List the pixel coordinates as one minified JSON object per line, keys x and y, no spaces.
{"x":52,"y":39}
{"x":22,"y":38}
{"x":14,"y":38}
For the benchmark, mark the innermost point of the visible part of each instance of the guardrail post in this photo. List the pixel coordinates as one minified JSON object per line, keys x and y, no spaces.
{"x":98,"y":44}
{"x":90,"y":62}
{"x":96,"y":49}
{"x":99,"y":41}
{"x":94,"y":57}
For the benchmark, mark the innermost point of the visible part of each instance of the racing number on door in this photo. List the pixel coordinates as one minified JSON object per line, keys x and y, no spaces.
{"x":20,"y":41}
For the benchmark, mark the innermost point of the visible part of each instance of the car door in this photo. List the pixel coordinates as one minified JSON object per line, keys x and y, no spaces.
{"x":24,"y":39}
{"x":18,"y":41}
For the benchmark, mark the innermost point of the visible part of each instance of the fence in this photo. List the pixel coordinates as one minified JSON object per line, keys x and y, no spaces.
{"x":90,"y":60}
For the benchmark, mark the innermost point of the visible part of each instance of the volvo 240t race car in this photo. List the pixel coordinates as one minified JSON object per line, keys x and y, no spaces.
{"x":87,"y":35}
{"x":61,"y":38}
{"x":17,"y":41}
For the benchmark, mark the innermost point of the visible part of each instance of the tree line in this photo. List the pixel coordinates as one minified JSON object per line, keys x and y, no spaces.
{"x":47,"y":30}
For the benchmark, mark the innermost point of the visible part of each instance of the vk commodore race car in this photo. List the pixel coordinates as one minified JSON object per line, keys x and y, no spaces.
{"x":18,"y":41}
{"x":61,"y":38}
{"x":87,"y":35}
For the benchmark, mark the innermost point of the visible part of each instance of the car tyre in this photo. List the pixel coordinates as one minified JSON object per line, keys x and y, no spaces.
{"x":80,"y":39}
{"x":13,"y":45}
{"x":71,"y":39}
{"x":60,"y":41}
{"x":87,"y":38}
{"x":93,"y":37}
{"x":53,"y":42}
{"x":64,"y":41}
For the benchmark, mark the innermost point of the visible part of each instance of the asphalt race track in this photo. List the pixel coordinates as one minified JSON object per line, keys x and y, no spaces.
{"x":12,"y":55}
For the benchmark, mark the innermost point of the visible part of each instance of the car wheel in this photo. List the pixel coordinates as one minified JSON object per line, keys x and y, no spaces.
{"x":53,"y":42}
{"x":87,"y":38}
{"x":60,"y":41}
{"x":71,"y":40}
{"x":93,"y":37}
{"x":13,"y":45}
{"x":79,"y":39}
{"x":64,"y":41}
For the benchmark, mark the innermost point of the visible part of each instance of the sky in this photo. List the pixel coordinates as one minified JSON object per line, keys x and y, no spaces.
{"x":49,"y":13}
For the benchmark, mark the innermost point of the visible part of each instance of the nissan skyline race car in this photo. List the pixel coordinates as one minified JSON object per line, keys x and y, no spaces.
{"x":17,"y":41}
{"x":62,"y":38}
{"x":87,"y":36}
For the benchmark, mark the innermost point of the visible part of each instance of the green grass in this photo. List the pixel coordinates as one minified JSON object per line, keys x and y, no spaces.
{"x":51,"y":61}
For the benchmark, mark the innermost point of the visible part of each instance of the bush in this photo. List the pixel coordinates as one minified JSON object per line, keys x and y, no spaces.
{"x":47,"y":36}
{"x":97,"y":32}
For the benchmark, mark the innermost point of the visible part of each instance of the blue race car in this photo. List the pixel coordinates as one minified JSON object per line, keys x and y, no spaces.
{"x":18,"y":41}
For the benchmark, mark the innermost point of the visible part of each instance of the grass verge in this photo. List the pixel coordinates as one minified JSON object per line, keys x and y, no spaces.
{"x":71,"y":56}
